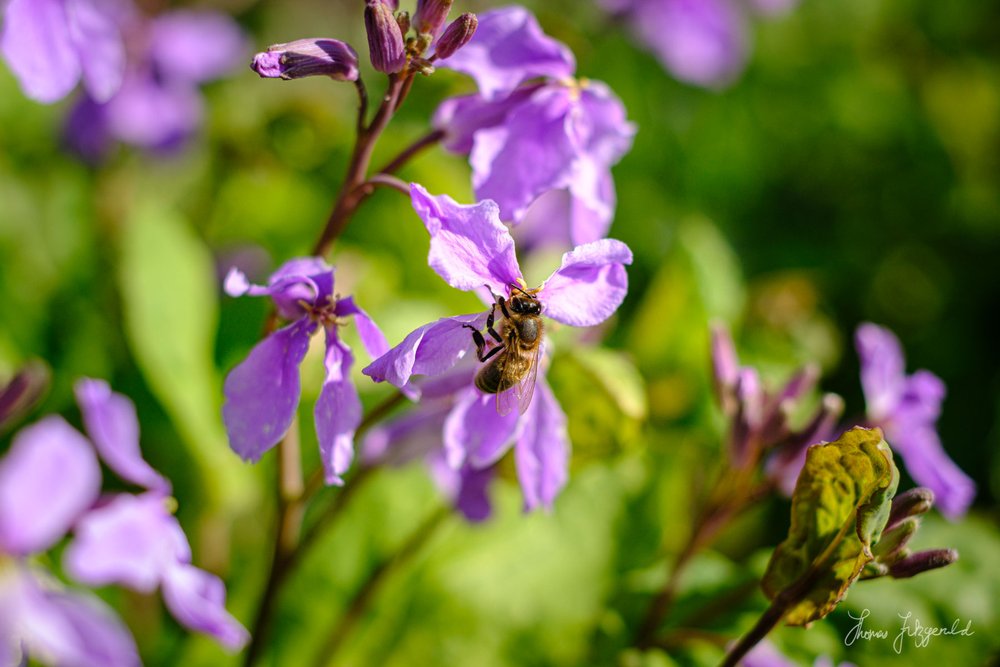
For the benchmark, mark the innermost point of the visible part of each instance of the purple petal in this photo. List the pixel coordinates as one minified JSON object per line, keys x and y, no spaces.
{"x":467,"y":488}
{"x":38,"y":47}
{"x":430,"y":350}
{"x":462,"y":117}
{"x":371,"y":336}
{"x":48,"y":479}
{"x":725,"y":362}
{"x":882,"y":368}
{"x":99,"y":46}
{"x":411,"y":435}
{"x":152,"y":113}
{"x":470,"y":247}
{"x":602,"y":125}
{"x":114,"y":429}
{"x":304,"y":279}
{"x":132,"y":541}
{"x":509,"y":47}
{"x":542,"y":450}
{"x":308,"y":57}
{"x":476,"y":433}
{"x":197,"y":599}
{"x":590,"y":284}
{"x":86,"y":130}
{"x":196,"y":46}
{"x":63,"y":628}
{"x":929,"y":465}
{"x":765,"y":654}
{"x":920,"y":402}
{"x":262,"y":393}
{"x":700,"y":41}
{"x":538,"y":133}
{"x":338,"y":411}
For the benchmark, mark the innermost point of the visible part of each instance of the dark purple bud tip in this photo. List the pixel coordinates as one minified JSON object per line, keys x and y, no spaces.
{"x":308,"y":57}
{"x":430,"y":16}
{"x":456,"y":35}
{"x":23,"y":391}
{"x":923,"y":561}
{"x":911,"y":503}
{"x":385,"y":41}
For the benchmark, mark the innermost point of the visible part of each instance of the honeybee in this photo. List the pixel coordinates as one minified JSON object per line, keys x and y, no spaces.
{"x":514,"y":351}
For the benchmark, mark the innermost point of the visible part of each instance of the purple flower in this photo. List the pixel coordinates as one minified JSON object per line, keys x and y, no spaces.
{"x":51,"y":45}
{"x":471,"y":249}
{"x":906,"y":407}
{"x":262,"y":392}
{"x":49,"y":484}
{"x":159,"y":105}
{"x":308,"y":57}
{"x":571,"y":132}
{"x":765,"y":654}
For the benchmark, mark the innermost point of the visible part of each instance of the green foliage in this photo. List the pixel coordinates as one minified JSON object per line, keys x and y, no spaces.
{"x":840,"y":506}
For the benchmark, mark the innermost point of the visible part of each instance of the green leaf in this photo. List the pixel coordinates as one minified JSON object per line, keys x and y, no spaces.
{"x":840,"y":506}
{"x":170,"y":308}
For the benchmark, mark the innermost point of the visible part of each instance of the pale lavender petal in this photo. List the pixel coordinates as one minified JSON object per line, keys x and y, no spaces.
{"x":765,"y":654}
{"x":154,"y":114}
{"x":48,"y":479}
{"x":470,"y":247}
{"x":338,"y":411}
{"x":114,"y":429}
{"x":725,"y":362}
{"x":537,"y":133}
{"x":602,"y":124}
{"x":236,"y":283}
{"x":304,"y":279}
{"x":920,"y":401}
{"x":542,"y":450}
{"x":700,"y":41}
{"x":132,"y":541}
{"x":67,"y":628}
{"x":197,"y":599}
{"x":882,"y":368}
{"x":930,"y":466}
{"x":371,"y":336}
{"x":413,"y":434}
{"x":196,"y":46}
{"x":475,"y":432}
{"x":430,"y":350}
{"x":590,"y":284}
{"x":592,"y":202}
{"x":509,"y":47}
{"x":461,"y":117}
{"x":99,"y":46}
{"x":547,"y":223}
{"x":262,"y":392}
{"x":467,"y":488}
{"x":37,"y":45}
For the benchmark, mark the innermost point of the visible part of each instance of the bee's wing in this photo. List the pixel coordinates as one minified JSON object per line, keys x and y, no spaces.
{"x":507,"y":399}
{"x":525,"y":389}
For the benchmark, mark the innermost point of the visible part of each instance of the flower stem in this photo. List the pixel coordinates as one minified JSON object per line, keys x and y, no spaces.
{"x":359,"y":602}
{"x":423,"y":143}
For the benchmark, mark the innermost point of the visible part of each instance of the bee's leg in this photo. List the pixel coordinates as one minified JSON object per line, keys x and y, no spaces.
{"x":490,"y":319}
{"x":480,"y":342}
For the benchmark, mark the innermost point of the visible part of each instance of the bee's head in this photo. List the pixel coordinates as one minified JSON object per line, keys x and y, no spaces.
{"x":525,"y":304}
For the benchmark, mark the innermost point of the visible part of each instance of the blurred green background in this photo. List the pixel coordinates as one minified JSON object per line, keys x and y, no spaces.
{"x":852,"y":173}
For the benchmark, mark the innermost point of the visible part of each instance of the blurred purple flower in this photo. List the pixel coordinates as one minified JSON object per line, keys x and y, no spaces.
{"x":906,"y":407}
{"x":49,"y":483}
{"x":765,"y":654}
{"x":51,"y":45}
{"x":159,"y":105}
{"x":262,"y":392}
{"x":308,"y":57}
{"x":570,"y":132}
{"x":471,"y":249}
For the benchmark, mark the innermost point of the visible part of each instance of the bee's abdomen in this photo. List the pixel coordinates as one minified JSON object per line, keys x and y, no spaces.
{"x":490,"y":379}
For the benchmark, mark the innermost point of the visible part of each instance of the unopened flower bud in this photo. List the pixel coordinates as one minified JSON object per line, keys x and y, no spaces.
{"x":891,"y":546}
{"x":23,"y":391}
{"x":456,"y":35}
{"x":725,"y":368}
{"x":403,"y":21}
{"x":911,"y":503}
{"x":385,"y":41}
{"x":923,"y":561}
{"x":430,"y":16}
{"x":308,"y":57}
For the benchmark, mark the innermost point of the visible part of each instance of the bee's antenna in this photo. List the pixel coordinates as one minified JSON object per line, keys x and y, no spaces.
{"x":521,"y":290}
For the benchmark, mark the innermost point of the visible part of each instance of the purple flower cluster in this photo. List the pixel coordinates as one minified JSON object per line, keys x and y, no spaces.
{"x":471,"y":249}
{"x":140,"y":75}
{"x":262,"y":392}
{"x":541,"y":144}
{"x":703,"y":42}
{"x":50,"y":484}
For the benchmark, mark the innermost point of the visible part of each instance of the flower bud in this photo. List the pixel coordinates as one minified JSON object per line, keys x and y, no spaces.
{"x":891,"y":546}
{"x":923,"y":561}
{"x":403,"y":21}
{"x":385,"y":41}
{"x":456,"y":35}
{"x":911,"y":503}
{"x":308,"y":57}
{"x":430,"y":16}
{"x":23,"y":391}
